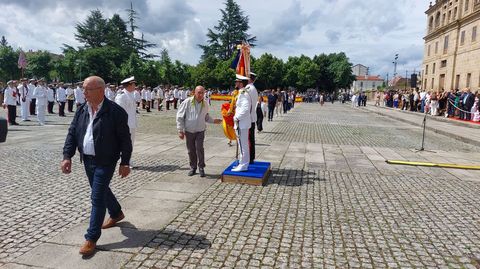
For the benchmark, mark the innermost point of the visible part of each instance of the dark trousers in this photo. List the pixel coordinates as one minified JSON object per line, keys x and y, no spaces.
{"x":271,"y":109}
{"x":70,"y":105}
{"x":260,"y":122}
{"x":102,"y":197}
{"x":61,"y":109}
{"x":285,"y":107}
{"x":32,"y":106}
{"x":251,"y":142}
{"x":175,"y":101}
{"x":12,"y":114}
{"x":196,"y":152}
{"x":468,"y":115}
{"x":168,"y":104}
{"x":50,"y":107}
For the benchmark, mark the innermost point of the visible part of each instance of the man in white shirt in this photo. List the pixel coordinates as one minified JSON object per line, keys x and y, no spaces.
{"x":143,"y":93}
{"x":138,"y":98}
{"x":24,"y":99}
{"x":148,"y":98}
{"x":10,"y":102}
{"x":79,"y":96}
{"x":253,"y":94}
{"x":41,"y":94}
{"x":243,"y":122}
{"x":126,"y":100}
{"x":181,"y":94}
{"x":192,"y":117}
{"x":61,"y":99}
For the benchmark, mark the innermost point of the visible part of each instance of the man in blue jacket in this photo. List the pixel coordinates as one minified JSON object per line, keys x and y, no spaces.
{"x":100,"y":132}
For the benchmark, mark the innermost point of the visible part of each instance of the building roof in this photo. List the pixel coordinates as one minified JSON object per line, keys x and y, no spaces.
{"x":369,"y":78}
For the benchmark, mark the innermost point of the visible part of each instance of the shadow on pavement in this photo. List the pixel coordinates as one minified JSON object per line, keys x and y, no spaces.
{"x":167,"y":239}
{"x":159,"y":168}
{"x":293,"y":177}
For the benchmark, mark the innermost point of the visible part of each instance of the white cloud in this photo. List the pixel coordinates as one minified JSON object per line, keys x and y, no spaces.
{"x":370,"y":32}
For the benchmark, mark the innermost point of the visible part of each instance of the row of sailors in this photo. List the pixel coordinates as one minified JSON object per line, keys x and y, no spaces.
{"x":149,"y":94}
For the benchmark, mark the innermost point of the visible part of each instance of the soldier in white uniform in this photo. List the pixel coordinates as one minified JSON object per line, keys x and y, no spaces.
{"x":24,"y":99}
{"x":138,"y":98}
{"x":79,"y":96}
{"x":253,"y":94}
{"x":243,"y":122}
{"x":10,"y":102}
{"x":70,"y":97}
{"x":50,"y":99}
{"x":33,"y":100}
{"x":61,"y":99}
{"x":160,"y":97}
{"x":181,"y":94}
{"x":176,"y":96}
{"x":126,"y":100}
{"x":41,"y":94}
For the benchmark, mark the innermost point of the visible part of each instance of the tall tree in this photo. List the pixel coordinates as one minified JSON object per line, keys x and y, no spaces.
{"x":39,"y":64}
{"x":140,"y":45}
{"x":8,"y":63}
{"x":3,"y":42}
{"x":93,"y":32}
{"x":166,"y":67}
{"x":269,"y":70}
{"x":231,"y":29}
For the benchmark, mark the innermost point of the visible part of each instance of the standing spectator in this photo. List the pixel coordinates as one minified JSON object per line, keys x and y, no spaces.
{"x":10,"y":102}
{"x":434,"y":104}
{"x":377,"y":98}
{"x":191,"y":123}
{"x":100,"y":154}
{"x":278,"y":108}
{"x":468,"y":101}
{"x":261,"y":110}
{"x":272,"y":102}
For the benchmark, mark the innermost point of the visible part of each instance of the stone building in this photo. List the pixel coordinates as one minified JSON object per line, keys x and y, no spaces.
{"x":359,"y":70}
{"x":452,"y":45}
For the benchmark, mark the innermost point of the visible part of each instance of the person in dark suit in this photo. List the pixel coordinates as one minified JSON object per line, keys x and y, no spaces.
{"x":272,"y":102}
{"x":100,"y":132}
{"x":468,"y":101}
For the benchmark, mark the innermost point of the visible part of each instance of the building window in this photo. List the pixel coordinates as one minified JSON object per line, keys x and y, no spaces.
{"x":433,"y":68}
{"x":426,"y":69}
{"x":454,"y":14}
{"x":433,"y":82}
{"x":469,"y":77}
{"x":425,"y":84}
{"x":457,"y":82}
{"x":361,"y":84}
{"x":445,"y":45}
{"x":443,"y":64}
{"x":466,"y":5}
{"x":462,"y":38}
{"x":428,"y":50}
{"x":449,"y":16}
{"x":474,"y":34}
{"x":436,"y":47}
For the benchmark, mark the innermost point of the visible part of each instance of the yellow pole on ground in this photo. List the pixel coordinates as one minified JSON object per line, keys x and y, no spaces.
{"x":440,"y":165}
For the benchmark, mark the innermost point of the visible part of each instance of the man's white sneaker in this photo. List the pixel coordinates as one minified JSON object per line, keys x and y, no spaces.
{"x":240,"y":169}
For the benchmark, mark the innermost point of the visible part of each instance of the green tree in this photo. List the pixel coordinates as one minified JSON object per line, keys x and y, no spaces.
{"x":301,"y":72}
{"x":3,"y":42}
{"x":99,"y":62}
{"x":8,"y":63}
{"x":341,"y":70}
{"x":224,"y":76}
{"x":93,"y":32}
{"x":203,"y":73}
{"x":269,"y":70}
{"x":39,"y":64}
{"x":166,"y":67}
{"x":231,"y":29}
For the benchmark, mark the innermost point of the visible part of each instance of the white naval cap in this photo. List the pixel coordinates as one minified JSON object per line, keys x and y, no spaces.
{"x":240,"y":77}
{"x":253,"y":74}
{"x":9,"y":82}
{"x":128,"y":80}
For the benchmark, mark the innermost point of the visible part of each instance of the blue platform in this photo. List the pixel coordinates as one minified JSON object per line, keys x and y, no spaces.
{"x":256,"y":174}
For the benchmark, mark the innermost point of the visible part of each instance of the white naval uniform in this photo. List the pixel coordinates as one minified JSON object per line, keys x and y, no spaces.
{"x":110,"y":94}
{"x":10,"y":96}
{"x":126,"y":100}
{"x":243,"y":122}
{"x":79,"y":96}
{"x":61,"y":95}
{"x":24,"y":105}
{"x":41,"y":94}
{"x":253,"y":94}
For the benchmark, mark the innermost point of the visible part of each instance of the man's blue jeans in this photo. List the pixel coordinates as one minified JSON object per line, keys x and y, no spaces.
{"x":102,"y":197}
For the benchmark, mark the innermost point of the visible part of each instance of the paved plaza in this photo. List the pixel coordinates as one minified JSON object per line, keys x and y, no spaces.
{"x":331,"y":202}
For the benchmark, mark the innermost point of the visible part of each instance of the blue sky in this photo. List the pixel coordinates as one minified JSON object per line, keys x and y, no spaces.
{"x":370,"y":32}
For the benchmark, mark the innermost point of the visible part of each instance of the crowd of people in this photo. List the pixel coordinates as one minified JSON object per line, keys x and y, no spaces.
{"x":36,"y":98}
{"x":460,"y":104}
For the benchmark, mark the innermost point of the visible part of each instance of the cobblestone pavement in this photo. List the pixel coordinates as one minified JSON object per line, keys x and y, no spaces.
{"x":37,"y":202}
{"x":305,"y":217}
{"x":341,"y":125}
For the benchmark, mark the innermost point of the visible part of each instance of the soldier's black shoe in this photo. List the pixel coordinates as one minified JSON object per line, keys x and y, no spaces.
{"x":192,"y":172}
